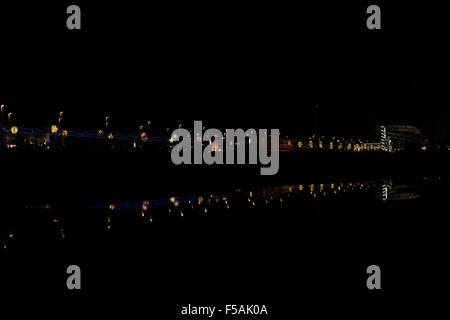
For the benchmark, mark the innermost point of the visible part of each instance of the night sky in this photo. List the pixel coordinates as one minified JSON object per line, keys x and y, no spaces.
{"x":231,"y":65}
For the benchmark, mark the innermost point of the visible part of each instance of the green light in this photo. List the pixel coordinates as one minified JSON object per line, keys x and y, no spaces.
{"x":384,"y":199}
{"x":382,"y":127}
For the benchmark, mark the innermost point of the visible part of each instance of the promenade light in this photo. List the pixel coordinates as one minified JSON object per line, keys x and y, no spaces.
{"x":144,"y":137}
{"x":14,"y":130}
{"x":54,"y":129}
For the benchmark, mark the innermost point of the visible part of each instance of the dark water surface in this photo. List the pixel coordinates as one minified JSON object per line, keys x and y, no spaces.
{"x":254,"y":243}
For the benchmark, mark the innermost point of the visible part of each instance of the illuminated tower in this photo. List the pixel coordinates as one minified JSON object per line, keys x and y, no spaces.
{"x":383,"y":138}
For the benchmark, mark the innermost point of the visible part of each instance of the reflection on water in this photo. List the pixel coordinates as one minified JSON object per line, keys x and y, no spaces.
{"x":241,"y":238}
{"x":400,"y":191}
{"x":267,"y":196}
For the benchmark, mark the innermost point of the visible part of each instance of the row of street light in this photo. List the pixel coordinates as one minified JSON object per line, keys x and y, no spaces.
{"x":60,"y":120}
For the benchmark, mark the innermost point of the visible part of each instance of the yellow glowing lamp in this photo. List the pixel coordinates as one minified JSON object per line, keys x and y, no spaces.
{"x":64,"y":133}
{"x":110,"y":136}
{"x":14,"y":130}
{"x":54,"y":129}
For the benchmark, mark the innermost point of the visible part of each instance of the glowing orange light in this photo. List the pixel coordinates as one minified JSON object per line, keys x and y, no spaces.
{"x":144,"y":137}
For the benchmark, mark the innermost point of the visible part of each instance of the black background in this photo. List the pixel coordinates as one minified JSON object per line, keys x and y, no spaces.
{"x":231,"y":65}
{"x":252,"y":64}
